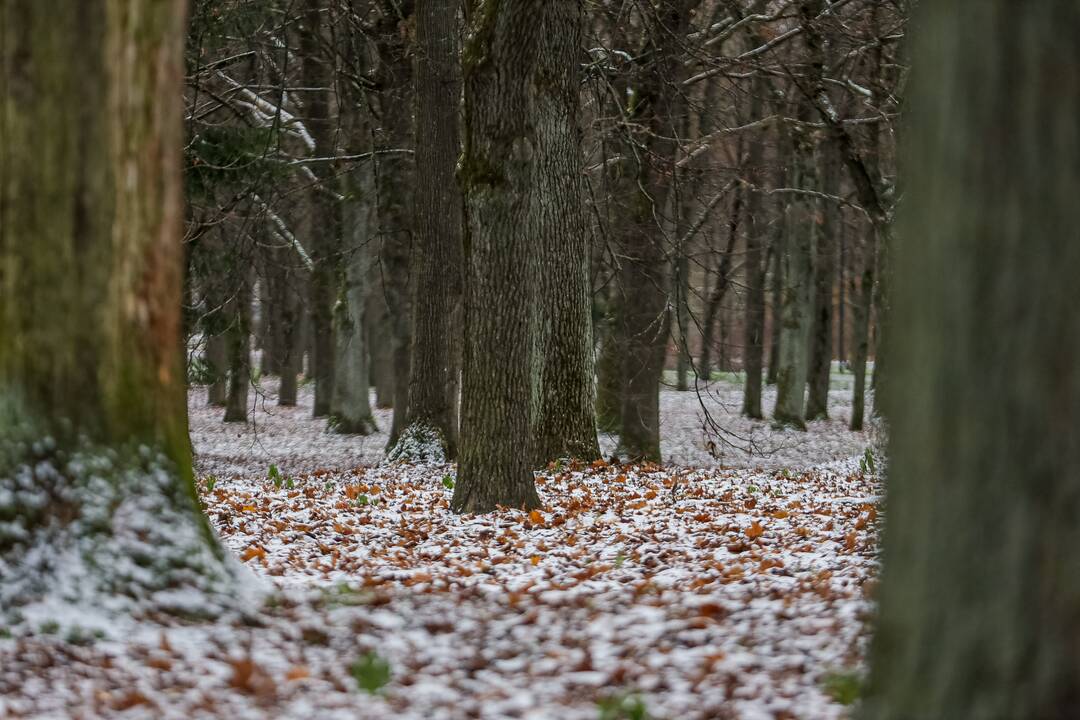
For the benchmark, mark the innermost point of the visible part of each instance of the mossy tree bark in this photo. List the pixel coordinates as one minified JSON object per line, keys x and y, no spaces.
{"x":565,"y":418}
{"x":91,"y":367}
{"x":350,"y":404}
{"x":438,"y":254}
{"x":980,"y":594}
{"x":497,"y":175}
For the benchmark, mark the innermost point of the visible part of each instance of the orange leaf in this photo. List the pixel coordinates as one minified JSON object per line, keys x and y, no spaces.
{"x":755,"y":530}
{"x":535,"y":560}
{"x":536,"y":517}
{"x":297,"y":672}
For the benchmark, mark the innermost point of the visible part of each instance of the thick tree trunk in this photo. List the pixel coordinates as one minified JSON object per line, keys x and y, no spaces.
{"x":755,"y":267}
{"x":644,"y":273}
{"x":438,"y":253}
{"x":95,"y":462}
{"x":565,"y":418}
{"x":497,"y":175}
{"x":395,"y":177}
{"x":325,"y":225}
{"x":980,"y":595}
{"x":350,"y":405}
{"x":797,"y":271}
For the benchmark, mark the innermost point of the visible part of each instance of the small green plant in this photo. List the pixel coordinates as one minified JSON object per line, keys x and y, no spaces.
{"x":619,"y":560}
{"x":371,"y":672}
{"x":558,"y":465}
{"x":211,"y":483}
{"x":274,"y":476}
{"x":361,"y":500}
{"x":622,"y":707}
{"x":752,"y":489}
{"x":843,"y":687}
{"x":5,"y":634}
{"x":448,"y":482}
{"x":867,"y":464}
{"x":328,"y":487}
{"x":49,"y":627}
{"x":289,"y":484}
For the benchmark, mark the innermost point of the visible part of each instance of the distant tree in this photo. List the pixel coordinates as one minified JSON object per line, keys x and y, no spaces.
{"x":497,"y":174}
{"x":95,"y":461}
{"x":980,"y":594}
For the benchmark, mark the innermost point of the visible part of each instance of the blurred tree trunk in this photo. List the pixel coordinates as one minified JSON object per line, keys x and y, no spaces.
{"x":821,"y":329}
{"x":289,"y":315}
{"x":437,"y":255}
{"x":658,"y":105}
{"x":381,"y":362}
{"x":797,"y":271}
{"x":350,"y":406}
{"x":565,"y":418}
{"x":774,"y":255}
{"x":238,"y":346}
{"x":93,"y":420}
{"x":861,"y":334}
{"x":325,"y":225}
{"x":980,"y":594}
{"x":497,"y":175}
{"x":714,"y":305}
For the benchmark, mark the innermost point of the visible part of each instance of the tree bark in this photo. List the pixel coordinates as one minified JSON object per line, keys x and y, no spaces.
{"x":775,"y":252}
{"x":797,"y":272}
{"x":497,"y":175}
{"x":716,"y":297}
{"x":821,"y":329}
{"x":565,"y":424}
{"x":980,"y":598}
{"x":381,"y":355}
{"x":394,"y":178}
{"x":754,"y":324}
{"x":437,"y":254}
{"x":350,"y":405}
{"x":325,"y":226}
{"x":238,"y":345}
{"x":93,"y":421}
{"x":861,"y":335}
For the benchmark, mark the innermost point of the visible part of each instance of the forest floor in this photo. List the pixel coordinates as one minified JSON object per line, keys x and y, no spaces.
{"x":735,"y":583}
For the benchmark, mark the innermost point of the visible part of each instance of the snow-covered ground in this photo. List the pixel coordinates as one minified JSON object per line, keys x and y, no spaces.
{"x":735,"y":591}
{"x":702,"y":428}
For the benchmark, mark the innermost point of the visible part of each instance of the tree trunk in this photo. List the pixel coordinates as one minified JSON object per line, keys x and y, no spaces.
{"x":797,"y":272}
{"x":438,"y":254}
{"x":95,"y":461}
{"x":217,"y":365}
{"x":754,"y":325}
{"x":238,"y":344}
{"x":350,"y":405}
{"x":861,"y":335}
{"x":565,"y":418}
{"x":776,"y":251}
{"x":289,"y":316}
{"x":381,"y":355}
{"x":821,"y":346}
{"x":644,"y":273}
{"x":980,"y":598}
{"x":497,"y":174}
{"x":325,"y":226}
{"x":395,"y":177}
{"x":609,"y":369}
{"x":716,"y":297}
